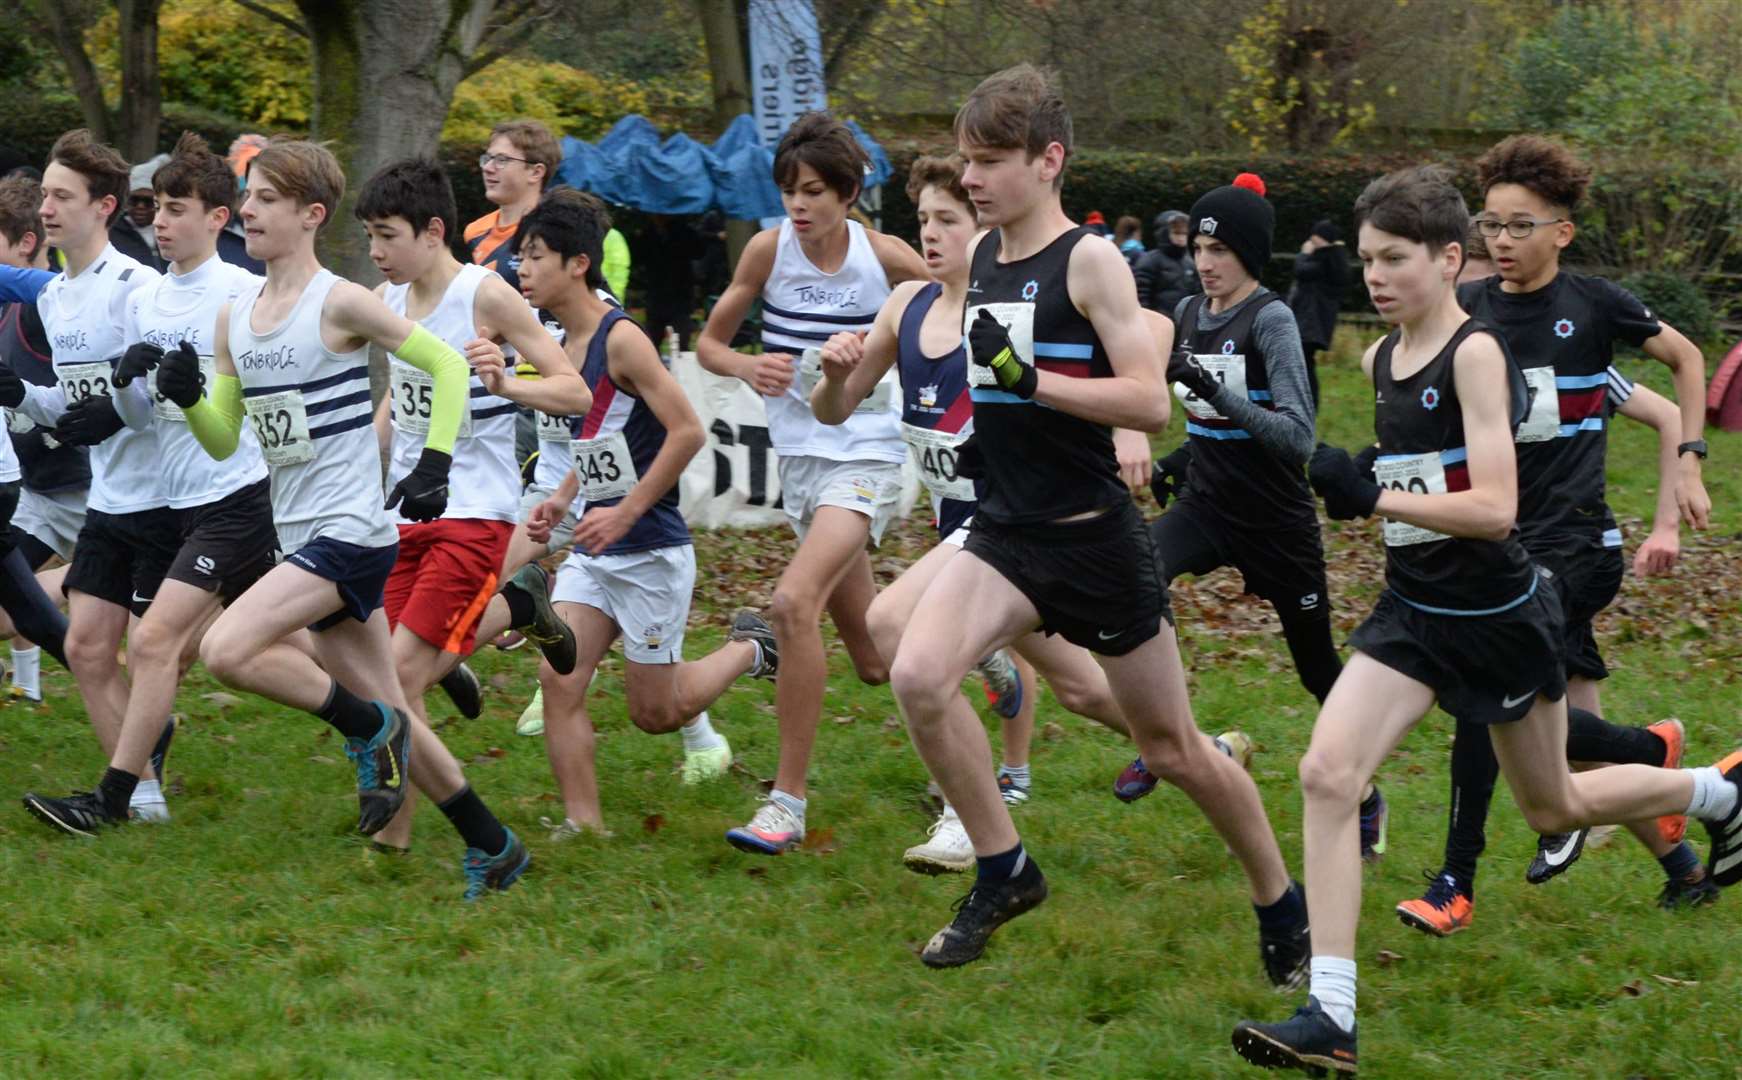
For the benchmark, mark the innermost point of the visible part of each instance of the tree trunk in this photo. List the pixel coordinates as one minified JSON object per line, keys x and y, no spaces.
{"x":141,"y":89}
{"x":723,"y":27}
{"x":66,"y":25}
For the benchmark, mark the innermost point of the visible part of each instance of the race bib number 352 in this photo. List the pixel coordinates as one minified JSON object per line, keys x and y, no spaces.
{"x":281,"y":425}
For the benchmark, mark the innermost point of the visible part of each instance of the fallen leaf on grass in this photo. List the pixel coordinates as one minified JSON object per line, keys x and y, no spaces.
{"x":820,"y":842}
{"x":322,"y":759}
{"x":1051,"y":731}
{"x":653,"y":822}
{"x":1667,"y":981}
{"x":1387,"y":958}
{"x":844,"y":719}
{"x":222,"y":700}
{"x":1633,"y":989}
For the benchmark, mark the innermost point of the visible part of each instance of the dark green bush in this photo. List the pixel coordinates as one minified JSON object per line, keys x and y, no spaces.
{"x":1677,"y":301}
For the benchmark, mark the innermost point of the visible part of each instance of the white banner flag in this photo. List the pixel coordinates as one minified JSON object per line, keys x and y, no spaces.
{"x":786,"y":65}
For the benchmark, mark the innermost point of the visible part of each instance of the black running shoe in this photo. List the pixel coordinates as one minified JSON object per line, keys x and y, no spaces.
{"x":82,"y":813}
{"x":1287,"y":955}
{"x":464,"y":690}
{"x":1725,"y":862}
{"x":160,"y":751}
{"x":1696,"y":890}
{"x":983,"y":910}
{"x":747,"y":625}
{"x":1554,"y":854}
{"x":547,"y":630}
{"x":381,"y":770}
{"x":1309,"y":1041}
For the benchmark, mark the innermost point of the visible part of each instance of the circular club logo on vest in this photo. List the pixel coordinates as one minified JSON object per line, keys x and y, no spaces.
{"x":1228,"y":347}
{"x":1430,"y":398}
{"x":1563,"y":328}
{"x":1031,"y":290}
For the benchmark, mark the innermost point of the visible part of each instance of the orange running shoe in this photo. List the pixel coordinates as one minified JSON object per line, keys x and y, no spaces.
{"x":1672,"y":827}
{"x":1442,"y":911}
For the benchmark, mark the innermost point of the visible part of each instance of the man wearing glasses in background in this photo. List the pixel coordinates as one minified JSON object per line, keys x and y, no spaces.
{"x":518,"y":163}
{"x":133,"y":234}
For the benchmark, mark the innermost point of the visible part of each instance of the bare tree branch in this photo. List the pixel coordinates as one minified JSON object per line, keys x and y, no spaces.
{"x":293,"y":25}
{"x":513,"y":22}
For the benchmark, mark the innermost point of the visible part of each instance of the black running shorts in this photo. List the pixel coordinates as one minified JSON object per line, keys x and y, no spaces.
{"x":122,"y":558}
{"x":1095,"y":583}
{"x":1587,"y":580}
{"x":1285,"y":565}
{"x":229,"y":544}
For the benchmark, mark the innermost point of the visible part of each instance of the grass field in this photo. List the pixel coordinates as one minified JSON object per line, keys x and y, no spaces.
{"x":257,"y":936}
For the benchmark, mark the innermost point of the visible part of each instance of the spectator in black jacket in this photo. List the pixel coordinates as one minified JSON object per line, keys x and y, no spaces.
{"x":1165,"y":273}
{"x":1321,"y":276}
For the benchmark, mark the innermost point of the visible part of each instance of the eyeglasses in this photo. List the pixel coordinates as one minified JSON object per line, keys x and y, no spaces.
{"x":141,"y":200}
{"x":487,"y":160}
{"x":1517,"y":228}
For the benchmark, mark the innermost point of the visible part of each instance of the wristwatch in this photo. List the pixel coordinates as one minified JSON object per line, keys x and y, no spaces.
{"x":1697,"y":447}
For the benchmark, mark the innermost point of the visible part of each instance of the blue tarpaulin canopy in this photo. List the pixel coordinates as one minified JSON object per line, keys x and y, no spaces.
{"x":633,"y":167}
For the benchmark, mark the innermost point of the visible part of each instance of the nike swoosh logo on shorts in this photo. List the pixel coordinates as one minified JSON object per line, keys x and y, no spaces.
{"x":1555,"y":858}
{"x":1105,"y":636}
{"x":1509,"y":702}
{"x":137,"y":599}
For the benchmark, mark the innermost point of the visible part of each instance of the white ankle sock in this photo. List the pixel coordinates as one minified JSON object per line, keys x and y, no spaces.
{"x":1714,"y":797}
{"x":27,"y":670}
{"x":1333,"y":984}
{"x":793,"y":804}
{"x":699,"y":734}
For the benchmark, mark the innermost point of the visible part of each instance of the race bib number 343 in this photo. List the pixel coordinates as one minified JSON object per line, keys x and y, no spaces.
{"x":281,"y":425}
{"x":604,"y":467}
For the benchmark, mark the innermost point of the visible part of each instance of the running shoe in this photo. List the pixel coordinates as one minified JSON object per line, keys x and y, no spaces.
{"x":947,"y":849}
{"x":82,"y":813}
{"x":508,"y":640}
{"x":710,"y":763}
{"x":1309,"y":1041}
{"x":532,"y":717}
{"x":1013,"y":793}
{"x":1237,"y":745}
{"x":495,"y":871}
{"x":1695,"y":890}
{"x":1134,"y":782}
{"x":1003,"y":683}
{"x":1442,"y":911}
{"x":1672,"y":827}
{"x":1555,"y":855}
{"x":1287,"y":954}
{"x":1373,"y":829}
{"x":984,"y":909}
{"x":19,"y":693}
{"x":772,"y":830}
{"x":464,"y":690}
{"x":566,"y":829}
{"x":747,"y":625}
{"x":548,"y":631}
{"x":381,"y":770}
{"x":1725,"y":861}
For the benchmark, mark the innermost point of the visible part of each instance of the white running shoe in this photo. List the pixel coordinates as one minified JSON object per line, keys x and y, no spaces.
{"x":532,"y":720}
{"x":948,"y":851}
{"x":709,"y":763}
{"x":1237,"y":745}
{"x":155,"y":812}
{"x":771,"y":830}
{"x":566,"y":829}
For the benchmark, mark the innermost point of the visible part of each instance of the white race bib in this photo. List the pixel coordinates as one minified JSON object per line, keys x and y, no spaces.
{"x":1018,"y":320}
{"x":934,"y":455}
{"x":604,"y":467}
{"x":553,"y":428}
{"x":1543,"y":422}
{"x":1420,"y":473}
{"x":81,"y":381}
{"x":166,"y":409}
{"x":414,"y":395}
{"x":1229,"y":370}
{"x":281,"y":426}
{"x":810,"y":372}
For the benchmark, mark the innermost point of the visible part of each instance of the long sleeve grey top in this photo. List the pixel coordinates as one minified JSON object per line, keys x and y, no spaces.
{"x":1289,"y":428}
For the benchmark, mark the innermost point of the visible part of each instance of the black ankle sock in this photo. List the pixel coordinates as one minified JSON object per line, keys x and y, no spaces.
{"x":1287,"y":910}
{"x":1371,"y":803}
{"x":521,"y":612}
{"x":116,"y":789}
{"x":1679,"y":862}
{"x":1002,"y":867}
{"x":350,"y":715}
{"x":475,"y":823}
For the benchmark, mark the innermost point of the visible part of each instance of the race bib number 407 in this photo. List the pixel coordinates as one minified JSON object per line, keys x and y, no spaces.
{"x":934,"y":455}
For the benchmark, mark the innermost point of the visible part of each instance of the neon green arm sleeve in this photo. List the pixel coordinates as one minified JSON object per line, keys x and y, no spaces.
{"x":615,"y":264}
{"x":216,"y":418}
{"x":452,"y":375}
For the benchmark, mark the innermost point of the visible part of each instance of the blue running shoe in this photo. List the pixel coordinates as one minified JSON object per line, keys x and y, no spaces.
{"x":495,"y":871}
{"x":381,"y":770}
{"x":1003,"y":683}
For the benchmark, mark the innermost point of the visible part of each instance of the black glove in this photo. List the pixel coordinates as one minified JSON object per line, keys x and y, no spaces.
{"x":139,"y":358}
{"x":990,"y":345}
{"x":11,"y":388}
{"x":1348,"y":495}
{"x":88,"y":421}
{"x":970,"y":462}
{"x":1364,"y":462}
{"x":178,"y":376}
{"x":1184,"y":368}
{"x":1168,"y":479}
{"x":424,"y":489}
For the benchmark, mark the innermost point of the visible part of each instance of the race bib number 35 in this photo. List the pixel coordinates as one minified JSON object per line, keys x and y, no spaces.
{"x":281,"y":425}
{"x":604,"y":467}
{"x":934,"y":455}
{"x":81,"y":381}
{"x":413,"y":396}
{"x":1420,"y":473}
{"x":1543,"y":422}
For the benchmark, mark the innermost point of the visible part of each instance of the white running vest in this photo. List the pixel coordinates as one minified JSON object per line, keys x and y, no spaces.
{"x":311,"y":412}
{"x":484,"y":482}
{"x":165,"y":313}
{"x":802,"y":307}
{"x":83,"y":317}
